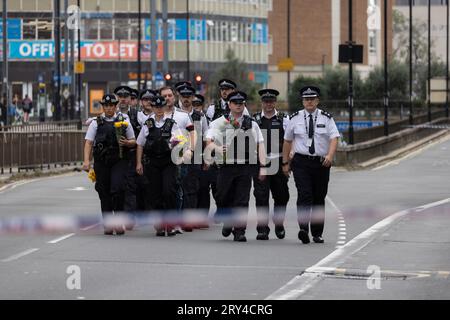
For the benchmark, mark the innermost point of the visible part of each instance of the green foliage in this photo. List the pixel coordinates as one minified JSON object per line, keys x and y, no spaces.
{"x":236,"y":70}
{"x":398,"y":82}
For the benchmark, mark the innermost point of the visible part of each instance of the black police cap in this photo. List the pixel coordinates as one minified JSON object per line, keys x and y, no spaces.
{"x":182,"y":83}
{"x":134,"y":93}
{"x":158,"y":101}
{"x":186,"y":90}
{"x":269,"y":94}
{"x":123,"y":90}
{"x":227,"y":84}
{"x":147,"y":94}
{"x":310,"y":92}
{"x":109,"y":99}
{"x":199,"y":98}
{"x":238,"y":97}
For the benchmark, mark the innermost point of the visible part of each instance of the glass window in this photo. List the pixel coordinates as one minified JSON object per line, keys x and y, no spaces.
{"x":248,"y":32}
{"x":134,"y":29}
{"x":225,"y":35}
{"x":234,"y":32}
{"x":44,"y":29}
{"x":91,"y":29}
{"x":106,"y":29}
{"x":121,"y":28}
{"x":29,"y":29}
{"x":210,"y":30}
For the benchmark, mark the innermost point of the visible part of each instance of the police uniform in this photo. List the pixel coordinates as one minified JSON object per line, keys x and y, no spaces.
{"x":141,"y":181}
{"x":134,"y":94}
{"x":235,"y":173}
{"x":204,"y":197}
{"x":277,"y":183}
{"x":158,"y":166}
{"x":110,"y":169}
{"x":189,"y":173}
{"x":311,"y":134}
{"x":220,"y":108}
{"x":131,"y":177}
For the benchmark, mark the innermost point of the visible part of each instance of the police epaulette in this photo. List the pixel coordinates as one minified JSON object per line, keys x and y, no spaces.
{"x":256,"y":116}
{"x":150,"y":123}
{"x":281,"y":115}
{"x":293,"y":115}
{"x":326,"y":114}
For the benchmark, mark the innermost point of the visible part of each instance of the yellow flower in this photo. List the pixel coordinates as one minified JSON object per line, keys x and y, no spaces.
{"x":91,"y":175}
{"x":120,"y":124}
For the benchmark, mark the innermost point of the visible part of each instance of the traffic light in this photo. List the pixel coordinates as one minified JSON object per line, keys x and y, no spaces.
{"x":198,"y":79}
{"x":168,"y":78}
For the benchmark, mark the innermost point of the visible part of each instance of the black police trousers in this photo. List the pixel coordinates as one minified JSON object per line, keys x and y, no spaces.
{"x":208,"y":181}
{"x":233,"y":194}
{"x":161,"y":191}
{"x":277,"y":185}
{"x":190,"y":183}
{"x":311,"y":180}
{"x":110,"y":185}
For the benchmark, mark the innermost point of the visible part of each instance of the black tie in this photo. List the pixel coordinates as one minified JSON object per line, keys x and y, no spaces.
{"x":312,"y":149}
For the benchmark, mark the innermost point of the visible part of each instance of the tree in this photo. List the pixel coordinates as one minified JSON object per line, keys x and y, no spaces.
{"x":420,"y":53}
{"x":236,"y":70}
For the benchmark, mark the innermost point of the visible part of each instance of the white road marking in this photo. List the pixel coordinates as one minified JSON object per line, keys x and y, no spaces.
{"x":341,"y":222}
{"x":20,"y":255}
{"x":295,"y":288}
{"x":77,"y":189}
{"x":90,"y":227}
{"x":61,"y":238}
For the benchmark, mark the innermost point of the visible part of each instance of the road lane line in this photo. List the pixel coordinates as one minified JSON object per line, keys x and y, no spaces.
{"x":61,"y":238}
{"x":90,"y":227}
{"x":20,"y":255}
{"x":295,"y":288}
{"x":341,"y":223}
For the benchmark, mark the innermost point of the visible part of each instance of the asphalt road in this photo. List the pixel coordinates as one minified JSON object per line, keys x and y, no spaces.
{"x":409,"y":249}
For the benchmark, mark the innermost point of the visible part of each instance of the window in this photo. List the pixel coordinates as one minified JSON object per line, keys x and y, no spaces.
{"x":91,"y":29}
{"x":29,"y":29}
{"x":234,"y":34}
{"x":248,"y":32}
{"x":372,"y":42}
{"x":106,"y":29}
{"x":224,"y":32}
{"x":44,"y":29}
{"x":121,"y":29}
{"x":134,"y":29}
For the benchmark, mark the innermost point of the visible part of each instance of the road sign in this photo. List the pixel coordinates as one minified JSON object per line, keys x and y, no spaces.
{"x":159,"y":76}
{"x":79,"y":67}
{"x":66,"y":79}
{"x":286,"y":64}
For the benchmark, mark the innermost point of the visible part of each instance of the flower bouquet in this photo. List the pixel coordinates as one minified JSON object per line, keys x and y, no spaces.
{"x":179,"y":140}
{"x":121,"y":127}
{"x":91,"y":175}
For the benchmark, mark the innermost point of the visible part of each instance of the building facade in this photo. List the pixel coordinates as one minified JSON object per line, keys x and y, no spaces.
{"x":109,"y":42}
{"x":316,"y":28}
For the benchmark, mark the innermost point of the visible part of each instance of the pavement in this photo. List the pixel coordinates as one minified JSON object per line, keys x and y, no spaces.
{"x":385,"y":238}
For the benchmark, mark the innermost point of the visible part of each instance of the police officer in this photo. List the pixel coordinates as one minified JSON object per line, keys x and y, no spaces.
{"x":313,"y":135}
{"x":178,"y":85}
{"x":145,"y":97}
{"x":220,"y":107}
{"x":238,"y":139}
{"x":204,"y":198}
{"x":126,"y":95}
{"x":190,"y":172}
{"x":134,"y":99}
{"x":110,"y":168}
{"x":154,"y":160}
{"x":274,"y":123}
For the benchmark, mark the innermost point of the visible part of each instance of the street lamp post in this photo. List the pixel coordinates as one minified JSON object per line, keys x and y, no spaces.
{"x":386,"y":85}
{"x":446,"y":69}
{"x":139,"y":47}
{"x":429,"y":61}
{"x":350,"y":72}
{"x":410,"y":64}
{"x":57,"y":87}
{"x":288,"y":47}
{"x":5,"y":88}
{"x":79,"y":60}
{"x":188,"y":57}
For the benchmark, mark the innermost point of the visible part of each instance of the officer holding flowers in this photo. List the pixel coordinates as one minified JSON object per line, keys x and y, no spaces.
{"x":110,"y":137}
{"x":237,"y":139}
{"x":154,"y":159}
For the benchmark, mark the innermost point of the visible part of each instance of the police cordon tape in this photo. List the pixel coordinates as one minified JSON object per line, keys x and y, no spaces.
{"x":192,"y":218}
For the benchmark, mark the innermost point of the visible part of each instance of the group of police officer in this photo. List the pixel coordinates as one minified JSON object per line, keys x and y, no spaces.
{"x":161,"y":151}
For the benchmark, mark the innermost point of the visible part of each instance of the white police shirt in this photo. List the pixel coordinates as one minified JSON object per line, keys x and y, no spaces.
{"x":142,"y":138}
{"x":142,"y":117}
{"x":93,"y":126}
{"x":212,"y":108}
{"x":325,"y":130}
{"x":182,"y":119}
{"x":220,"y":130}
